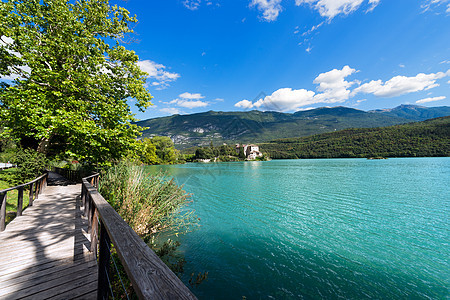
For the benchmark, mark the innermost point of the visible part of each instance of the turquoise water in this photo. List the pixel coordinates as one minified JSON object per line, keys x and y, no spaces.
{"x":334,"y":228}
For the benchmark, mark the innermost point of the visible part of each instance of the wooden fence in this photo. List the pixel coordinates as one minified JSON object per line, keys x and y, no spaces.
{"x":36,"y":187}
{"x":72,"y":175}
{"x":150,"y":277}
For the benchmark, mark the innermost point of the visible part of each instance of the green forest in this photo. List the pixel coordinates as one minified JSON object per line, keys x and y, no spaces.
{"x":423,"y":139}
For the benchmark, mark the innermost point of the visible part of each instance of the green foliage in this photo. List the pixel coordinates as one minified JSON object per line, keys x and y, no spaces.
{"x":148,"y":203}
{"x":75,"y":78}
{"x":165,"y":149}
{"x":30,"y":164}
{"x":429,"y":138}
{"x":158,"y":150}
{"x":222,"y":153}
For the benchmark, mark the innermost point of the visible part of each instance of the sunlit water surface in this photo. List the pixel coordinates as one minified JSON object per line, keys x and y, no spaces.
{"x":292,"y":229}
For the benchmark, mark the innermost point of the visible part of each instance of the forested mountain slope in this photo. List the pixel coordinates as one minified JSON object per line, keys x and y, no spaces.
{"x":428,"y":138}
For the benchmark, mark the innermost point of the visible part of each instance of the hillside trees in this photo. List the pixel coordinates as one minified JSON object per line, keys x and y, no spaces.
{"x":72,"y":78}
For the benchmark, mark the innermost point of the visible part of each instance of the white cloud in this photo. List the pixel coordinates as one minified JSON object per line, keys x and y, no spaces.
{"x":431,"y":99}
{"x":332,"y":88}
{"x":192,"y":104}
{"x":187,"y":95}
{"x":170,"y":110}
{"x":18,"y":72}
{"x":286,"y":99}
{"x":158,"y":73}
{"x":187,"y":100}
{"x":332,"y":8}
{"x":333,"y":85}
{"x":432,"y":4}
{"x":401,"y":85}
{"x":192,"y":4}
{"x":244,"y":104}
{"x":401,"y":65}
{"x":269,"y":8}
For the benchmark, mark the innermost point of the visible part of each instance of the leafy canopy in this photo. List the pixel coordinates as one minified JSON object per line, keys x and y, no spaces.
{"x":73,"y":78}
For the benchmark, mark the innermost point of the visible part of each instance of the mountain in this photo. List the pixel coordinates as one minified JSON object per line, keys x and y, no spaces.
{"x":257,"y":126}
{"x":427,"y":139}
{"x":415,"y":112}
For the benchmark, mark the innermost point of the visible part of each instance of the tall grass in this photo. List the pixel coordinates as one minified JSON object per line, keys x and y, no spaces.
{"x":148,"y":203}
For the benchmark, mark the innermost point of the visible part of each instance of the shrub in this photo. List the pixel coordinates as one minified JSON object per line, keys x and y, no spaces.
{"x":30,"y":164}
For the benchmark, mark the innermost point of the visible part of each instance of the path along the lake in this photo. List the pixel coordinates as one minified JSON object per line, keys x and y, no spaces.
{"x":44,"y":253}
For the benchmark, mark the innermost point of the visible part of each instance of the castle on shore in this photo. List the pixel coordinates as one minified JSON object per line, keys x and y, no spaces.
{"x":250,"y":151}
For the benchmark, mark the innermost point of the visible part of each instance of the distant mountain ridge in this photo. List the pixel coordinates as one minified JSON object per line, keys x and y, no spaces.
{"x":415,"y":112}
{"x":256,"y":126}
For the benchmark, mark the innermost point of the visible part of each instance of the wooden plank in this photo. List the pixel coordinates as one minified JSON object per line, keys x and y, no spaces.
{"x":51,"y":288}
{"x":44,"y":264}
{"x":42,"y":254}
{"x":45,"y":274}
{"x":17,"y":283}
{"x":88,"y":292}
{"x":54,"y":258}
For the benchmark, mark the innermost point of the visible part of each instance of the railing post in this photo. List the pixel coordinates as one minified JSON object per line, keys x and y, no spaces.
{"x":20,"y":201}
{"x":83,"y":195}
{"x":36,"y":190}
{"x":3,"y":211}
{"x":103,"y":263}
{"x":87,"y":211}
{"x":30,"y":202}
{"x":94,"y":232}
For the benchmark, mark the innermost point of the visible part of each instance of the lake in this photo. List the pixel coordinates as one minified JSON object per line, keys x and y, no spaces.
{"x":293,"y":229}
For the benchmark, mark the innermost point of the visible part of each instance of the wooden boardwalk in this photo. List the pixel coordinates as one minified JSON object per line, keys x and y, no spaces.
{"x":44,"y":253}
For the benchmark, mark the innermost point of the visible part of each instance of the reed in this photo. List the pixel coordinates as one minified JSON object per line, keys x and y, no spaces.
{"x":150,"y":204}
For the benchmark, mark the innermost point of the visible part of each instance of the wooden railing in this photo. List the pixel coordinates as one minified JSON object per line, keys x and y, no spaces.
{"x":36,"y":187}
{"x":72,"y":175}
{"x":150,"y":277}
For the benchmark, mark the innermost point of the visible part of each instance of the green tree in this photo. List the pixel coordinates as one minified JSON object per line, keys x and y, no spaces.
{"x":148,"y":152}
{"x":165,"y":149}
{"x":74,"y":78}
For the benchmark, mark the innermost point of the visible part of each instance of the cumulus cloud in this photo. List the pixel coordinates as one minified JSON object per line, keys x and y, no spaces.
{"x":244,"y":104}
{"x":269,"y":8}
{"x":187,"y":95}
{"x":401,"y":85}
{"x":189,"y":100}
{"x":158,"y":73}
{"x":332,"y":88}
{"x":333,"y":85}
{"x":331,"y":8}
{"x":431,"y":99}
{"x":286,"y":99}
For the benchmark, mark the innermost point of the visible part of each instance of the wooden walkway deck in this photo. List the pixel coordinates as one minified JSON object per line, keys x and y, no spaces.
{"x":44,"y":253}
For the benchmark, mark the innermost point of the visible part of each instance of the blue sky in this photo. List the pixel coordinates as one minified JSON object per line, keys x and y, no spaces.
{"x":289,"y":55}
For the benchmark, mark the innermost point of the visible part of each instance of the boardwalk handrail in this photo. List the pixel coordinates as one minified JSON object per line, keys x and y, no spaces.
{"x":37,"y":185}
{"x":151,"y":278}
{"x":72,"y":175}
